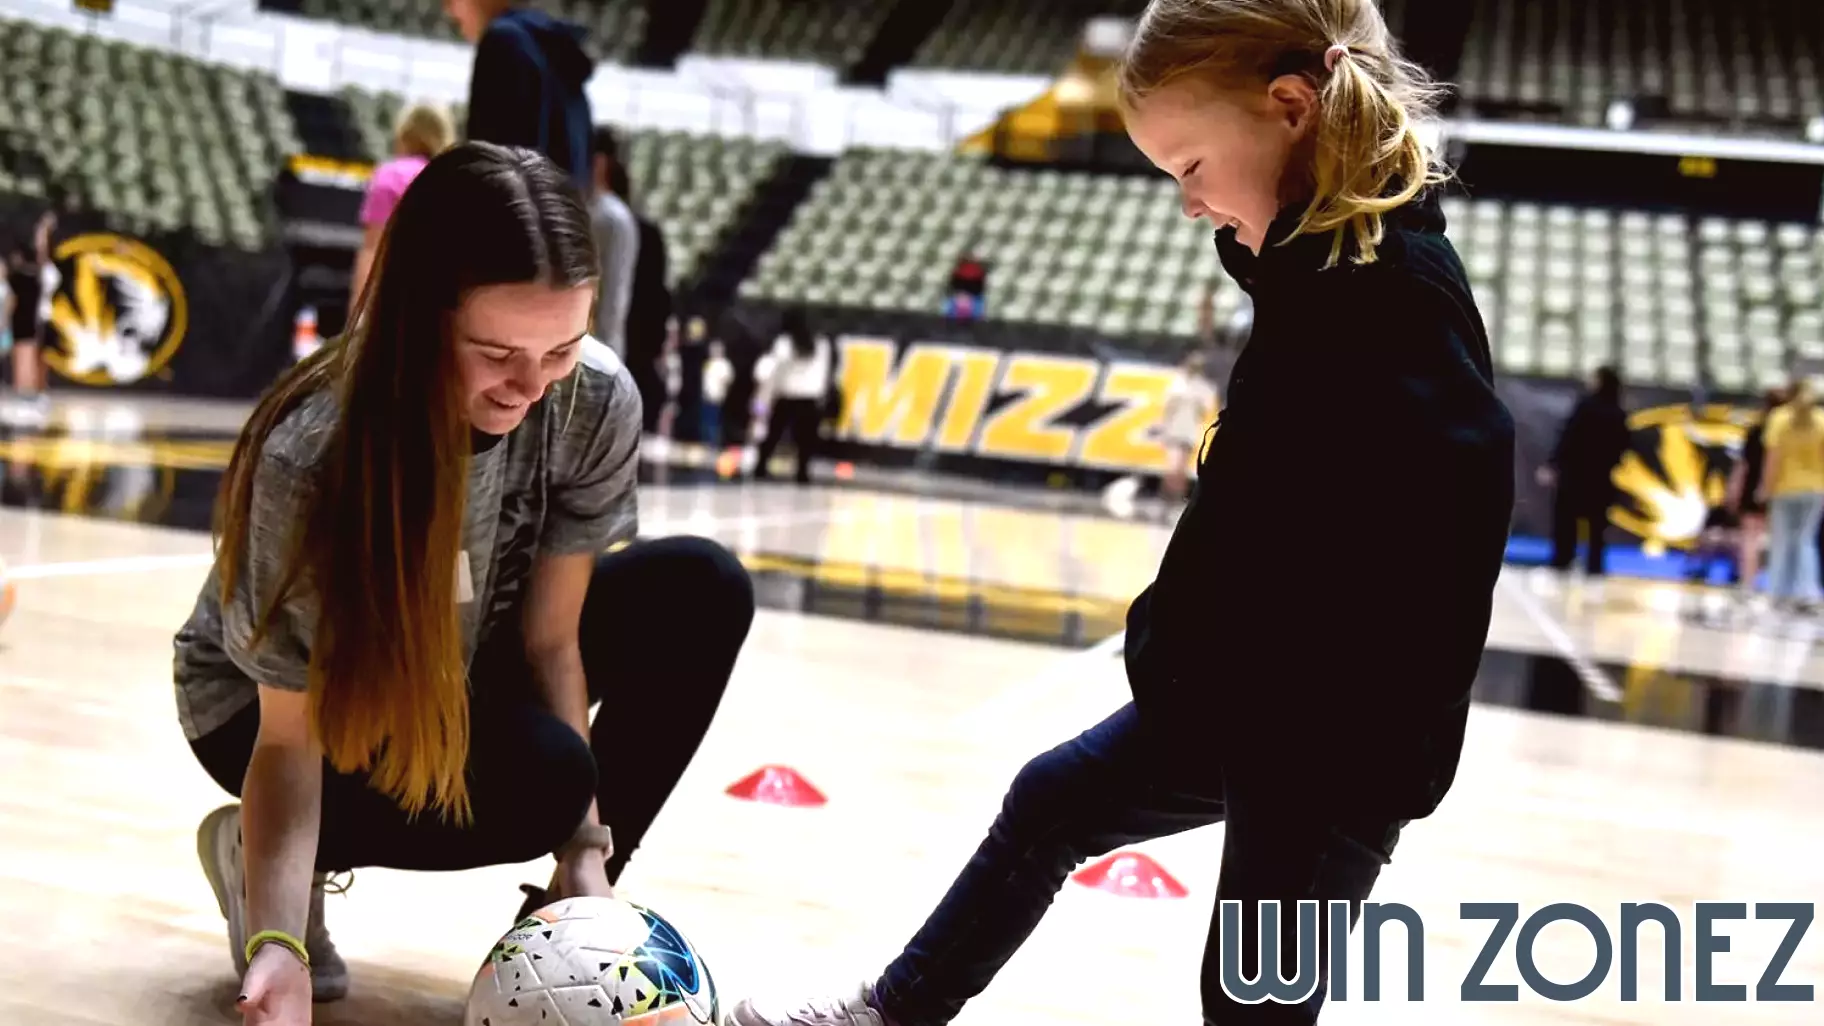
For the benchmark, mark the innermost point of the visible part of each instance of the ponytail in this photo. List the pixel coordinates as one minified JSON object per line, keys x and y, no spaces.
{"x":1368,"y":158}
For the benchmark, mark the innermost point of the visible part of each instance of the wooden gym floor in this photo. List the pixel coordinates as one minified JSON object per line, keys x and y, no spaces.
{"x":911,"y":654}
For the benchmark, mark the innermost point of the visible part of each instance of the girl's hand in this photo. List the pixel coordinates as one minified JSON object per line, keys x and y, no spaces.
{"x":276,"y":989}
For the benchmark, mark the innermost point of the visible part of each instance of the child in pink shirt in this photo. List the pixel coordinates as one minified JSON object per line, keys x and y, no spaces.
{"x":424,"y":131}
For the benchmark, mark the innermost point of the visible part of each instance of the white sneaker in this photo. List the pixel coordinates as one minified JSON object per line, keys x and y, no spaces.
{"x":853,"y":1010}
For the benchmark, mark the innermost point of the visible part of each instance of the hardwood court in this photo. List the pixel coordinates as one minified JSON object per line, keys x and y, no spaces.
{"x":1636,"y":786}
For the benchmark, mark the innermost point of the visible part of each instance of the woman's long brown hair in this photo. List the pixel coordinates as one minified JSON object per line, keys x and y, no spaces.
{"x":378,"y":541}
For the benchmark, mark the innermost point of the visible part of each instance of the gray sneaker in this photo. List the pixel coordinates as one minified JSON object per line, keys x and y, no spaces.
{"x":328,"y":973}
{"x":853,"y":1010}
{"x":218,"y":847}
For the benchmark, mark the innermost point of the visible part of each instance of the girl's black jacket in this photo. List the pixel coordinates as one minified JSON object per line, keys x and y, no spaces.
{"x":1319,"y":615}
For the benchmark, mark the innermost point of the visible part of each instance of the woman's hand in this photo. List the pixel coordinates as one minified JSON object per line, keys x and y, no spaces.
{"x":276,"y":989}
{"x":583,"y":873}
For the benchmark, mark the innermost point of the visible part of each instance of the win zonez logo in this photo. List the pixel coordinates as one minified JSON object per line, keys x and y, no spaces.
{"x":1709,"y":941}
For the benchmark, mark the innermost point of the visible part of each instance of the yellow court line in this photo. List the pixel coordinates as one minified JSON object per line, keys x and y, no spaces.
{"x":66,"y":453}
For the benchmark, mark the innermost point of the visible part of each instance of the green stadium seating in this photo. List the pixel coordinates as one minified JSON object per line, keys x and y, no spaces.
{"x":616,"y":27}
{"x":1664,"y":299}
{"x":1019,"y":37}
{"x":1708,"y":61}
{"x":1101,"y":253}
{"x":152,"y":140}
{"x":830,"y":32}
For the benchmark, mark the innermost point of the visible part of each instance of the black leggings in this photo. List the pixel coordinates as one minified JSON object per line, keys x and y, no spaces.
{"x":800,"y":417}
{"x":530,"y":776}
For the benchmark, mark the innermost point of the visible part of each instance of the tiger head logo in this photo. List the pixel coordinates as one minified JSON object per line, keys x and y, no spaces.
{"x":1677,"y":471}
{"x":118,"y":312}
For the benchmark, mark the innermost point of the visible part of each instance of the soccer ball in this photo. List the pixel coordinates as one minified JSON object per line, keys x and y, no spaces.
{"x":593,"y":962}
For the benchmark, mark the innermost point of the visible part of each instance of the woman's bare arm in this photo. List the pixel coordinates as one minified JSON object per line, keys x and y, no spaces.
{"x":281,"y":806}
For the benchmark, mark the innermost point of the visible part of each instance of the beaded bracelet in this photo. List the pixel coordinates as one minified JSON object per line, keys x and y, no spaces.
{"x":279,"y":937}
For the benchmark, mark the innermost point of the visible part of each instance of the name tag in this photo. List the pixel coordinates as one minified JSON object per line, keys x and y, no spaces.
{"x":465,"y":581}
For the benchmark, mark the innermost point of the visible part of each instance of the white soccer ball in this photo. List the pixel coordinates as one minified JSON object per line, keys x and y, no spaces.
{"x":593,"y":962}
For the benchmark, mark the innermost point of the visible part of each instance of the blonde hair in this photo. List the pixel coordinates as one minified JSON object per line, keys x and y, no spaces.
{"x":424,"y":131}
{"x":1367,"y":157}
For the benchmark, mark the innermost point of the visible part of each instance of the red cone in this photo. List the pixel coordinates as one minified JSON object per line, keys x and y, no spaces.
{"x":1129,"y":874}
{"x":776,"y":785}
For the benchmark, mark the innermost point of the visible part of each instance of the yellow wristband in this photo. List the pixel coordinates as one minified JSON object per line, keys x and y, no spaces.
{"x":280,"y":937}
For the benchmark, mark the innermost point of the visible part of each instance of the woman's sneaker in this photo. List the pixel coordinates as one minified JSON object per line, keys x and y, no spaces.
{"x":328,"y":973}
{"x":218,"y":847}
{"x":855,"y":1010}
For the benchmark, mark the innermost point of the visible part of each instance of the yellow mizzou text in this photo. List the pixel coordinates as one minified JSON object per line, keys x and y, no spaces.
{"x":938,"y":395}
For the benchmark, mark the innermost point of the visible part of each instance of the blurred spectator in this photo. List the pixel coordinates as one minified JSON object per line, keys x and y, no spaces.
{"x":423,"y":132}
{"x":1792,"y":486}
{"x":617,"y":239}
{"x":968,"y":296}
{"x":24,"y":283}
{"x":36,"y":289}
{"x":718,"y":374}
{"x":526,"y":88}
{"x":796,"y":377}
{"x":6,"y":309}
{"x":1582,"y":468}
{"x":649,"y":306}
{"x":1746,"y":505}
{"x":1190,"y":406}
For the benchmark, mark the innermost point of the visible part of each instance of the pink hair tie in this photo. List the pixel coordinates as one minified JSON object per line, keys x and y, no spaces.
{"x":1333,"y":54}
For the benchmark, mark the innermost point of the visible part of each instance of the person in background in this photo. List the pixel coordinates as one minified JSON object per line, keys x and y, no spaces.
{"x":526,"y":88}
{"x":1792,"y":488}
{"x":1190,"y":406}
{"x":718,"y":373}
{"x":617,"y":237}
{"x":6,"y":310}
{"x":797,"y":377}
{"x":1745,"y":505}
{"x":24,"y":283}
{"x":423,"y":132}
{"x":35,"y":318}
{"x":649,"y":306}
{"x":1582,"y":468}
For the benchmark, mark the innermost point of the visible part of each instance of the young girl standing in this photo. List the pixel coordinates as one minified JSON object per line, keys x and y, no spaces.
{"x":1362,"y":445}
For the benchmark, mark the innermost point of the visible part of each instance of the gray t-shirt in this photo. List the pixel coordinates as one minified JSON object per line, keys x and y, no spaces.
{"x":562,"y":482}
{"x":617,"y":239}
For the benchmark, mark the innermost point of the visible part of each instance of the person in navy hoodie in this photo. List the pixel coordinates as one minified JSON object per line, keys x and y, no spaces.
{"x":526,"y":88}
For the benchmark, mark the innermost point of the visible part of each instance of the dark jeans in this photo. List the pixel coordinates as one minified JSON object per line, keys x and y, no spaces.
{"x":800,"y":417}
{"x":1107,"y":788}
{"x":530,"y":775}
{"x":1570,"y":511}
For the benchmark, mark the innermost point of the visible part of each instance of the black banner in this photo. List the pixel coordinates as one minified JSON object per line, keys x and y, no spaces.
{"x":179,"y":318}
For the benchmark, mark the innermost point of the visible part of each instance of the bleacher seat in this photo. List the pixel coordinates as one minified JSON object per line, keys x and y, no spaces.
{"x":1564,"y":291}
{"x":829,"y":32}
{"x":694,"y":187}
{"x":1103,"y":253}
{"x":616,"y":27}
{"x":1734,"y":62}
{"x":152,"y":140}
{"x":1021,"y":37}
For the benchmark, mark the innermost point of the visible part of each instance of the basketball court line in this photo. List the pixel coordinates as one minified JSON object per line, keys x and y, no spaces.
{"x":661,"y":526}
{"x":1595,"y":681}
